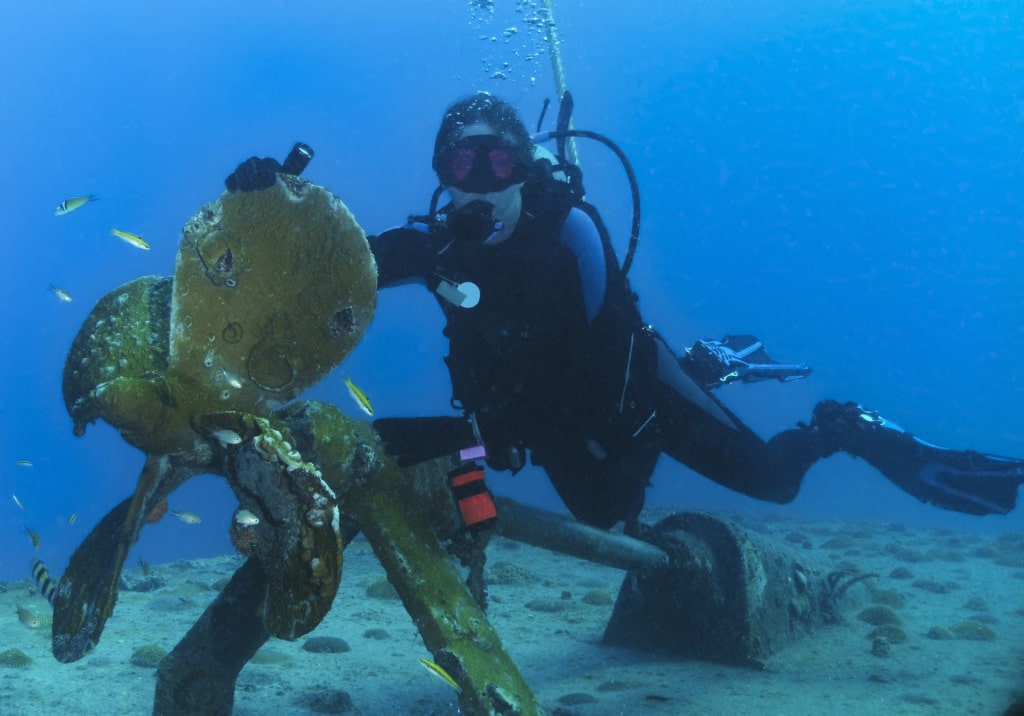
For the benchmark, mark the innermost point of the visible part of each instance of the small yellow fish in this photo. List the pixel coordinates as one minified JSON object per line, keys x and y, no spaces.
{"x":24,"y":463}
{"x":246,"y":518}
{"x":133,"y":239}
{"x":71,"y":520}
{"x":47,"y":586}
{"x":441,"y":674}
{"x":61,"y":293}
{"x":359,"y":396}
{"x":32,"y":536}
{"x":189,"y":518}
{"x":17,"y":501}
{"x":27,"y":618}
{"x":144,"y":566}
{"x":75,"y":202}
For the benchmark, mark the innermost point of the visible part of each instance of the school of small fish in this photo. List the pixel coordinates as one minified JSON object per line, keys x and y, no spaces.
{"x":74,"y":203}
{"x":46,"y":585}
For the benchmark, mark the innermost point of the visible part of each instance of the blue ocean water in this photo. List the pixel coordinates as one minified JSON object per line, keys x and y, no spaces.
{"x":842,"y":179}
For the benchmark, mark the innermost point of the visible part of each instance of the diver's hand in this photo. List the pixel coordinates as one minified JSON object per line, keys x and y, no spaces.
{"x":253,"y":174}
{"x":414,"y":440}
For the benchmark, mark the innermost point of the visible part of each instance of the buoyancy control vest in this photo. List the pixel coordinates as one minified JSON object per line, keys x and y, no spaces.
{"x":524,"y":359}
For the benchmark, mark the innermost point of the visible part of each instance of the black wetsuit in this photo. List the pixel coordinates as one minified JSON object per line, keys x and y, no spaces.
{"x":555,"y":359}
{"x":593,"y":394}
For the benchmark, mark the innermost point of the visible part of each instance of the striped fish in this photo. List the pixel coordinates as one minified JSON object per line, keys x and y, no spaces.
{"x":75,"y":202}
{"x":41,"y":576}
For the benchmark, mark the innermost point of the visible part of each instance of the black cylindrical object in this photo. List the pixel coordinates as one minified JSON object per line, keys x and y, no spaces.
{"x":298,"y":159}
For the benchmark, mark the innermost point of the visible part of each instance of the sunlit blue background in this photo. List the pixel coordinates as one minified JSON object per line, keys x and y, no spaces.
{"x":840,"y":178}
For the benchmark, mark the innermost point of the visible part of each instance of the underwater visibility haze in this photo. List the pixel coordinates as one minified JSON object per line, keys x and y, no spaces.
{"x":841,"y":179}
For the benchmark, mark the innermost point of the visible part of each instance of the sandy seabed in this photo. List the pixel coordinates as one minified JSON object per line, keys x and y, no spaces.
{"x":944,"y":578}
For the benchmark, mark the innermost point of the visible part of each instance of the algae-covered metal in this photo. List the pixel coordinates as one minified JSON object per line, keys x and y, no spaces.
{"x":125,"y":335}
{"x":271,"y":291}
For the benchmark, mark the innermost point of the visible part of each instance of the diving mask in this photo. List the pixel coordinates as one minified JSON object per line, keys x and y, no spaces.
{"x":481,"y":164}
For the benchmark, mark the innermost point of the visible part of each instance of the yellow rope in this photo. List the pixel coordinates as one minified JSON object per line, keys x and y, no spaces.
{"x":560,"y":86}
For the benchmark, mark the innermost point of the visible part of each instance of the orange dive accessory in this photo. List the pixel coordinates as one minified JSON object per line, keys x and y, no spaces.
{"x":476,"y":504}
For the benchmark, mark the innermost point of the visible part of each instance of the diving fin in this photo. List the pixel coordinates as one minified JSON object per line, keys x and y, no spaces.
{"x":717,"y":363}
{"x":958,"y":480}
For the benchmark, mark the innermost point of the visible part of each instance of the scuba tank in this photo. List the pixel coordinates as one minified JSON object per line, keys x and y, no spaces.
{"x":561,"y":134}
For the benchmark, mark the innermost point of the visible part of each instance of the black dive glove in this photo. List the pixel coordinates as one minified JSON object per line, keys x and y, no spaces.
{"x":414,"y":440}
{"x":255,"y":174}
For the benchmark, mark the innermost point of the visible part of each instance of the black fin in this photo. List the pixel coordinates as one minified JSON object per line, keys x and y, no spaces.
{"x":958,"y":480}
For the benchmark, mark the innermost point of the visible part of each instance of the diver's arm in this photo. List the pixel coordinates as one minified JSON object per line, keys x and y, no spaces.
{"x":404,"y":255}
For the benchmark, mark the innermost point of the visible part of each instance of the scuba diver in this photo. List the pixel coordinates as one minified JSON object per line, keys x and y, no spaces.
{"x":549,"y":355}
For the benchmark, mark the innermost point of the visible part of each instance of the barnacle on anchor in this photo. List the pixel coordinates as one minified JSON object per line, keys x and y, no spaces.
{"x":273,"y":447}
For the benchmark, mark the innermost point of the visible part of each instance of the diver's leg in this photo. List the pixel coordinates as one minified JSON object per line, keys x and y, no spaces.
{"x":959,"y":480}
{"x":735,"y":457}
{"x":696,"y":429}
{"x":596,"y":488}
{"x":962,"y":481}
